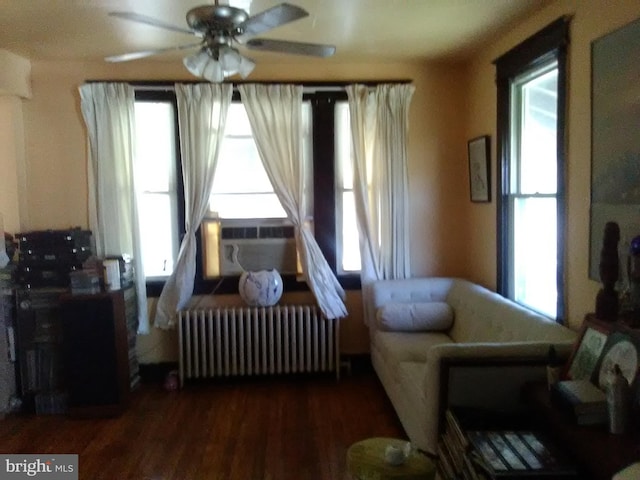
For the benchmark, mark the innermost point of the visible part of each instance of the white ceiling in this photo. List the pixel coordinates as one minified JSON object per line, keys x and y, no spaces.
{"x":362,"y":30}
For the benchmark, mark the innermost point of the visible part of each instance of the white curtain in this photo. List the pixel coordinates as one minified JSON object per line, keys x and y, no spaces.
{"x":275,"y":114}
{"x":379,"y":126}
{"x":202,"y":113}
{"x":108,"y":111}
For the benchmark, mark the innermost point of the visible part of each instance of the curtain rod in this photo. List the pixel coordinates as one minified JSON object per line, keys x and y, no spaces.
{"x":308,"y":87}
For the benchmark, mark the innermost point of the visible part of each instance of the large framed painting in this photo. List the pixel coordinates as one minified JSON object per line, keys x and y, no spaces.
{"x":615,"y":139}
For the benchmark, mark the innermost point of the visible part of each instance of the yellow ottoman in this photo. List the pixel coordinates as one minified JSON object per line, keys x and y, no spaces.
{"x":365,"y":461}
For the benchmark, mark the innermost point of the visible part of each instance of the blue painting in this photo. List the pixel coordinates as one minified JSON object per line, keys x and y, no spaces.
{"x":615,"y":137}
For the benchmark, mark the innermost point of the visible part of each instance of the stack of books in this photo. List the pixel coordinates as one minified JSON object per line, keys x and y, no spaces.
{"x":466,"y":452}
{"x":585,"y":402}
{"x":454,"y":453}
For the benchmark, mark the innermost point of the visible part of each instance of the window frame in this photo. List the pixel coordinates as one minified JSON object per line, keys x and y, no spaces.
{"x":151,"y":93}
{"x":547,"y":45}
{"x":323,"y":170}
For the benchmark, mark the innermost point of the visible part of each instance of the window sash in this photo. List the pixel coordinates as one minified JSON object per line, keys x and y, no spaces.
{"x":156,"y":158}
{"x":548,"y":45}
{"x":532,"y":265}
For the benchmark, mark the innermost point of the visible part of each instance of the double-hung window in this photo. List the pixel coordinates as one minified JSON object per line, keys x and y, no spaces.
{"x":157,"y":172}
{"x":531,"y":95}
{"x":241,"y":190}
{"x":347,"y":225}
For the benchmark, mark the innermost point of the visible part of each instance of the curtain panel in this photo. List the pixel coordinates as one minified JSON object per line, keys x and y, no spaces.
{"x":202,"y":114}
{"x":108,"y":110}
{"x":274,"y":112}
{"x":379,"y":126}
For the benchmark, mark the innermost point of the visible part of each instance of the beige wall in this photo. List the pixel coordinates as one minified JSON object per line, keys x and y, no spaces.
{"x":56,"y":192}
{"x":11,"y":158}
{"x":591,"y":19}
{"x":14,"y":84}
{"x":14,"y":74}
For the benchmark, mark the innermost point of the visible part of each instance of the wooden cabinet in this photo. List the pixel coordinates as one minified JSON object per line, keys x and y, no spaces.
{"x":99,"y":360}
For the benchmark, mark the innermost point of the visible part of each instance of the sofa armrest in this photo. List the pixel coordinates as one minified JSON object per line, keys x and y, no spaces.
{"x":486,"y":353}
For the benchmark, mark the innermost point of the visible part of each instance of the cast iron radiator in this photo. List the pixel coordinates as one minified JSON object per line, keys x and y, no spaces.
{"x":233,"y":341}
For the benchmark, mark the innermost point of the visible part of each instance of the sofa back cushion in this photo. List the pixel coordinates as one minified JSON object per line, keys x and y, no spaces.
{"x":415,"y":317}
{"x":485,"y":316}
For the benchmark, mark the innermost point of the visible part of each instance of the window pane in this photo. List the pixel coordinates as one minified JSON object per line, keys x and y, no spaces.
{"x":241,"y":187}
{"x":156,"y":227}
{"x":344,"y":153}
{"x":237,"y":121}
{"x":155,"y":145}
{"x":239,"y":168}
{"x":538,"y":162}
{"x":535,"y":254}
{"x":155,"y":165}
{"x":350,"y":241}
{"x":250,"y":205}
{"x":345,"y":202}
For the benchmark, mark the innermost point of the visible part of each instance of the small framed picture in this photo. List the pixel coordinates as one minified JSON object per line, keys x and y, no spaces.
{"x":479,"y":169}
{"x":587,"y":350}
{"x":622,"y":349}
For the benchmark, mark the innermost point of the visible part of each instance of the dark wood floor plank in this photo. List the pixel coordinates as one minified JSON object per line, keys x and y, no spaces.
{"x":273,"y":428}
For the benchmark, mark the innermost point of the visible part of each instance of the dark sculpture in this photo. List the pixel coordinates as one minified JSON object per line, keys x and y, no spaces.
{"x":607,"y":298}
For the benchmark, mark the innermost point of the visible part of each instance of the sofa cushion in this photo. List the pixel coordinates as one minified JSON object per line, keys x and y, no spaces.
{"x":411,"y":378}
{"x":415,"y":317}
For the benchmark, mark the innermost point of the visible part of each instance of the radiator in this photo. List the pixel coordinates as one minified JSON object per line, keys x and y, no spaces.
{"x":231,"y":341}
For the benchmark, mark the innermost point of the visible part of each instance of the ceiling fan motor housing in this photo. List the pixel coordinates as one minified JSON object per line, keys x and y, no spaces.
{"x":216,"y":18}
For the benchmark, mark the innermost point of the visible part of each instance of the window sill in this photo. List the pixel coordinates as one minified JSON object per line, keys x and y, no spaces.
{"x":229,"y":285}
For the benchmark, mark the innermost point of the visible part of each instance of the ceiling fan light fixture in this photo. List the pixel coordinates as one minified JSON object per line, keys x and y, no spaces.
{"x":230,"y":59}
{"x":197,"y":62}
{"x":246,"y":67}
{"x":213,"y":71}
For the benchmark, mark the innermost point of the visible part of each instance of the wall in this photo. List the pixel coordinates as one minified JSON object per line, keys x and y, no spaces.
{"x":11,"y":156}
{"x":56,"y":193}
{"x":591,"y":20}
{"x":15,"y":82}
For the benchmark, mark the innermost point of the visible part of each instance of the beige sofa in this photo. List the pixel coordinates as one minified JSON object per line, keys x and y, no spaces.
{"x":441,"y":341}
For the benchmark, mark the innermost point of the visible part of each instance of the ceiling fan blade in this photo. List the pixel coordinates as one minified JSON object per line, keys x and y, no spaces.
{"x":125,"y":57}
{"x":296,"y":48}
{"x":271,"y":18}
{"x":136,"y":17}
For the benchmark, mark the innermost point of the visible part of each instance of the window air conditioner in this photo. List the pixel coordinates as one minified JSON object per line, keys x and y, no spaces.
{"x":257,"y":247}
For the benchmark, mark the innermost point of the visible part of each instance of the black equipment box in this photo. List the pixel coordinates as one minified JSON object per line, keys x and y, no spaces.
{"x":55,"y":240}
{"x":47,"y":257}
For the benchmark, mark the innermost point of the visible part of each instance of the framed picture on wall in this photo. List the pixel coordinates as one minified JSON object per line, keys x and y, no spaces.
{"x":615,"y":143}
{"x":479,"y":169}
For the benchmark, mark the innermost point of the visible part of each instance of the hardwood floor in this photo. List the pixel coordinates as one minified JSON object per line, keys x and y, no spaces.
{"x":271,"y":428}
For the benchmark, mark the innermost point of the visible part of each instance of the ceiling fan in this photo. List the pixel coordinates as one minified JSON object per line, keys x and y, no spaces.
{"x":219,"y":28}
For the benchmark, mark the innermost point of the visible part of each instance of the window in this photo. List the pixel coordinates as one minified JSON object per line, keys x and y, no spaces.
{"x":531,"y":81}
{"x":156,"y":159}
{"x":346,"y":207}
{"x":246,"y":197}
